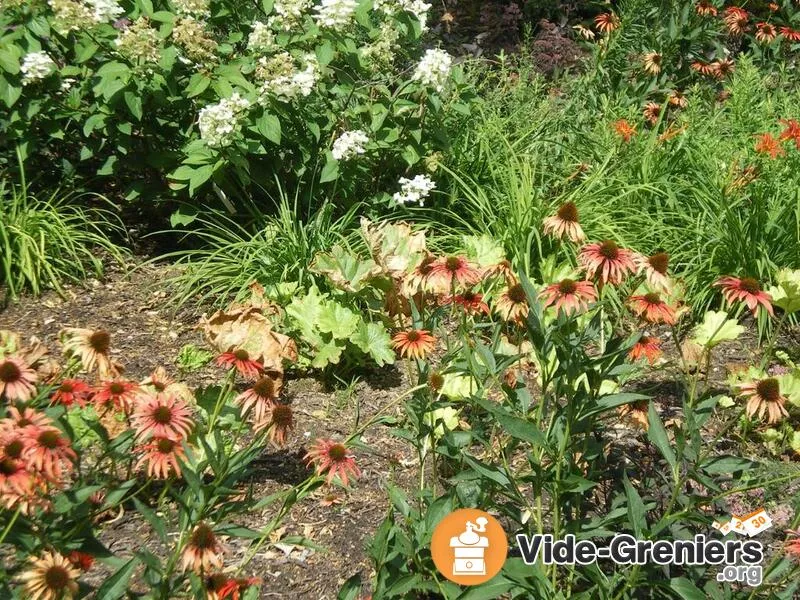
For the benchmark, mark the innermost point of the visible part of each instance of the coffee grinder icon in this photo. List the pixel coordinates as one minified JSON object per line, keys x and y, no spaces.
{"x":469,"y":549}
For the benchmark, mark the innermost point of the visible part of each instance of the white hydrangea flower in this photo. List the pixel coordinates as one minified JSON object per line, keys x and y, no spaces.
{"x":287,"y":87}
{"x":220,"y":123}
{"x":291,"y":9}
{"x":36,"y":66}
{"x":192,"y":8}
{"x":66,"y":84}
{"x":434,"y":69}
{"x":414,"y":190}
{"x":336,"y":14}
{"x":104,"y":11}
{"x":418,"y":8}
{"x":261,"y":38}
{"x":349,"y":145}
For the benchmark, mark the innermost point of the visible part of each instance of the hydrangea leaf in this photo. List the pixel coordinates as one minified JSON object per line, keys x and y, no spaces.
{"x":346,"y":270}
{"x":373,"y":339}
{"x":483,"y":250}
{"x":790,"y":386}
{"x":327,"y":354}
{"x":786,"y":294}
{"x":305,"y":313}
{"x":716,"y":328}
{"x":337,"y":320}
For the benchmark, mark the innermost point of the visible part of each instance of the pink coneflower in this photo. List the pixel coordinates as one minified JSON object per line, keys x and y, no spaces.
{"x":119,"y":393}
{"x":736,"y":19}
{"x":569,"y":295}
{"x":417,"y":280}
{"x":158,"y":380}
{"x":722,"y":68}
{"x":15,"y":478}
{"x":647,"y":347}
{"x":607,"y":261}
{"x":512,"y":305}
{"x":766,"y":144}
{"x":20,"y":418}
{"x":51,"y":577}
{"x":47,"y":452}
{"x":792,"y":544}
{"x":162,"y":456}
{"x":333,"y":457}
{"x":71,"y":391}
{"x":764,"y":397}
{"x":651,"y":112}
{"x":92,"y":347}
{"x":791,"y":132}
{"x":470,"y":301}
{"x":678,"y":99}
{"x":791,"y":35}
{"x":414,"y":343}
{"x":162,"y":416}
{"x":279,"y":423}
{"x":565,"y":223}
{"x":636,"y":413}
{"x":451,"y":271}
{"x":330,"y":499}
{"x":606,"y":22}
{"x":702,"y":67}
{"x":655,"y":269}
{"x":765,"y":33}
{"x":203,"y":550}
{"x":652,"y":308}
{"x":746,"y":290}
{"x":502,"y":269}
{"x":624,"y":130}
{"x":706,"y":9}
{"x":17,"y":380}
{"x":240,"y":360}
{"x":258,"y":399}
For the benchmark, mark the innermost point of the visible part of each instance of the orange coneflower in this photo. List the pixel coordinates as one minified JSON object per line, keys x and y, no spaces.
{"x":471,"y":302}
{"x":792,"y":544}
{"x":17,"y":380}
{"x":624,"y":130}
{"x":513,"y":303}
{"x":502,"y":269}
{"x":47,"y":452}
{"x":259,"y":398}
{"x":565,"y":223}
{"x":221,"y":587}
{"x":162,"y":415}
{"x":746,"y":290}
{"x":607,"y":261}
{"x":14,"y":477}
{"x":678,"y":98}
{"x":791,"y":132}
{"x":451,"y":271}
{"x":736,"y":19}
{"x":647,"y":347}
{"x":203,"y":550}
{"x":333,"y":457}
{"x":636,"y":413}
{"x":606,"y":22}
{"x":240,"y":360}
{"x":330,"y":499}
{"x":158,"y":380}
{"x":569,"y":295}
{"x":652,"y":308}
{"x":279,"y":423}
{"x":702,"y":67}
{"x":417,"y":281}
{"x":655,"y":270}
{"x":80,"y":560}
{"x":71,"y":391}
{"x":92,"y":347}
{"x":766,"y":33}
{"x":790,"y":34}
{"x":706,"y":9}
{"x":651,"y":112}
{"x":766,"y":144}
{"x":722,"y":68}
{"x":414,"y":343}
{"x":651,"y":62}
{"x":764,"y":397}
{"x":435,"y":381}
{"x":585,"y":32}
{"x":20,"y":489}
{"x":51,"y":577}
{"x":161,"y":455}
{"x":120,"y":393}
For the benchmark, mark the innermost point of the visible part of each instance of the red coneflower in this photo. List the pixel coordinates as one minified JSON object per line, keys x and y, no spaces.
{"x":746,"y":290}
{"x":702,"y":67}
{"x":722,"y":68}
{"x":764,"y":397}
{"x":677,"y":98}
{"x":735,"y":19}
{"x":51,"y":577}
{"x":203,"y":550}
{"x":652,"y":308}
{"x":333,"y":457}
{"x":471,"y":302}
{"x":647,"y":347}
{"x":569,"y":295}
{"x":240,"y":360}
{"x":162,"y":456}
{"x":17,"y":380}
{"x":512,"y":305}
{"x":414,"y":343}
{"x":651,"y":61}
{"x":279,"y":423}
{"x":417,"y":281}
{"x":120,"y":393}
{"x":80,"y":560}
{"x":607,"y":261}
{"x":47,"y":452}
{"x":792,"y":544}
{"x":624,"y":130}
{"x":258,"y":399}
{"x":651,"y":112}
{"x":766,"y":144}
{"x":565,"y":223}
{"x":792,"y":132}
{"x":655,"y":269}
{"x":221,"y":587}
{"x":765,"y":33}
{"x":790,"y":34}
{"x":162,"y":416}
{"x":706,"y":9}
{"x":450,"y":271}
{"x":636,"y":413}
{"x":606,"y":22}
{"x":92,"y":347}
{"x":71,"y":391}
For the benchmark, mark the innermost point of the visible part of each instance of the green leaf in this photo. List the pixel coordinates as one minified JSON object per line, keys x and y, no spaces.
{"x":492,"y":589}
{"x":270,"y":127}
{"x":330,"y":171}
{"x":9,"y":59}
{"x":729,"y":465}
{"x":786,"y":295}
{"x":351,"y":590}
{"x":337,"y":320}
{"x":9,"y":94}
{"x":636,"y":510}
{"x":373,"y":339}
{"x":658,"y":435}
{"x":514,"y":426}
{"x":330,"y":353}
{"x":198,"y":84}
{"x":686,"y":589}
{"x":716,"y":328}
{"x":183,"y":216}
{"x":346,"y":270}
{"x":199,"y":177}
{"x":115,"y":586}
{"x":484,"y":250}
{"x":134,"y":103}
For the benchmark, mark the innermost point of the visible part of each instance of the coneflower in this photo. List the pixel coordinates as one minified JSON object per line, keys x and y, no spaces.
{"x":203,"y":550}
{"x":333,"y":458}
{"x":512,"y":305}
{"x":414,"y":343}
{"x":764,"y":398}
{"x":565,"y":223}
{"x":50,"y":577}
{"x":569,"y":296}
{"x":607,"y":262}
{"x":17,"y":380}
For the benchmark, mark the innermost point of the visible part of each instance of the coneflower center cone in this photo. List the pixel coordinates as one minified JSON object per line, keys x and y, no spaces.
{"x":48,"y":439}
{"x":413,"y":336}
{"x":659,"y":262}
{"x":162,"y":415}
{"x":66,"y":387}
{"x":568,"y":212}
{"x":516,"y":293}
{"x":165,"y":446}
{"x":750,"y":285}
{"x":116,"y":388}
{"x":435,"y":381}
{"x":282,"y":416}
{"x":609,"y":249}
{"x":8,"y":466}
{"x":100,"y":341}
{"x":264,"y":387}
{"x":56,"y":578}
{"x":337,"y":452}
{"x":453,"y":263}
{"x":653,"y":298}
{"x":567,"y":286}
{"x":14,"y":448}
{"x":241,"y":354}
{"x":203,"y":537}
{"x":769,"y":389}
{"x":9,"y":372}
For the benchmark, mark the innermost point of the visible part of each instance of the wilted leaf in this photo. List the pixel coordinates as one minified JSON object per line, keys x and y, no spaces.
{"x":345,"y":270}
{"x":395,"y":247}
{"x":716,"y":328}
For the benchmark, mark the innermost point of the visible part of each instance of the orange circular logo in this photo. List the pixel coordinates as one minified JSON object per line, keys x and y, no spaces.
{"x":469,"y":546}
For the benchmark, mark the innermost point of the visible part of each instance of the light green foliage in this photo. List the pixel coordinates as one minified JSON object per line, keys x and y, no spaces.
{"x":716,"y":328}
{"x":786,"y":294}
{"x":192,"y":358}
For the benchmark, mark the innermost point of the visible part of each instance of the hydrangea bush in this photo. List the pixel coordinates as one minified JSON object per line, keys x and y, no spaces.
{"x":174,"y":98}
